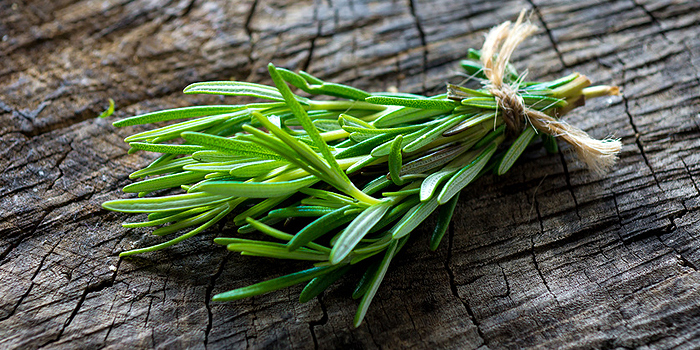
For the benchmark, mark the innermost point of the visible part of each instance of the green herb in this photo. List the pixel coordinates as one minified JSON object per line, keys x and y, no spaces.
{"x":360,"y":171}
{"x":108,"y":111}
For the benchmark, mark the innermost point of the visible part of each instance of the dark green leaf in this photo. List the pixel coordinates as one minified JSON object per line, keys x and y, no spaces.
{"x":274,"y":284}
{"x":516,"y":149}
{"x":319,"y":284}
{"x":462,"y":178}
{"x":443,"y":222}
{"x":320,"y":227}
{"x":374,"y":284}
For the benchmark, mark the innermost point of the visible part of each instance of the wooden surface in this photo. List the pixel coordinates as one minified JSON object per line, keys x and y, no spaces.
{"x":547,"y":256}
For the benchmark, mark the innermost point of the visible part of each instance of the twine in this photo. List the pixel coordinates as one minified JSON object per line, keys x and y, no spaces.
{"x":501,"y":41}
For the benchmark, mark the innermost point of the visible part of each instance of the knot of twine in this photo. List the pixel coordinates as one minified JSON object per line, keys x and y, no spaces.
{"x":500,"y":42}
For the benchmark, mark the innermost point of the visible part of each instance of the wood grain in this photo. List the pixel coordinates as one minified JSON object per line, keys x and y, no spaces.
{"x":546,"y":256}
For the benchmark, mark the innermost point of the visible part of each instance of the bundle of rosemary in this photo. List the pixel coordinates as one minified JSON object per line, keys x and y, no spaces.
{"x":361,"y":171}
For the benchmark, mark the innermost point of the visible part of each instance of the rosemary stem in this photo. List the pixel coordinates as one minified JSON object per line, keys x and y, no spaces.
{"x":334,"y":135}
{"x":600,"y":91}
{"x":361,"y":196}
{"x":297,"y":173}
{"x":573,"y":88}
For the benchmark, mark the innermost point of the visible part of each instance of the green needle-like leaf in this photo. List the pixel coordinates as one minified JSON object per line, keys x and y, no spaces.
{"x":346,"y":120}
{"x":178,"y":113}
{"x":326,"y":124}
{"x":328,"y":195}
{"x":257,"y":168}
{"x":164,"y":167}
{"x":255,"y":189}
{"x":173,"y":131}
{"x":406,"y":115}
{"x":161,"y":148}
{"x":374,"y":284}
{"x":258,"y":209}
{"x":550,"y":144}
{"x":376,"y":185}
{"x":385,"y":148}
{"x":357,"y":229}
{"x":414,"y":218}
{"x":430,"y":184}
{"x":300,"y":211}
{"x":395,"y":161}
{"x":366,"y":280}
{"x":433,"y":160}
{"x":395,"y":213}
{"x":234,"y":146}
{"x":364,"y":147}
{"x":516,"y":149}
{"x":443,"y":222}
{"x":543,"y":103}
{"x":302,"y":150}
{"x":224,"y":211}
{"x":466,"y":175}
{"x":426,"y":103}
{"x":194,"y":220}
{"x":306,"y":122}
{"x":318,"y":86}
{"x":275,"y":233}
{"x":266,"y":220}
{"x":108,"y":111}
{"x":234,"y":88}
{"x":480,"y":102}
{"x":468,"y":123}
{"x":433,"y":134}
{"x":274,"y":284}
{"x":320,"y":227}
{"x":211,"y":167}
{"x":321,"y":283}
{"x":277,"y":251}
{"x":170,"y":218}
{"x":167,"y":203}
{"x":167,"y":181}
{"x":365,"y":161}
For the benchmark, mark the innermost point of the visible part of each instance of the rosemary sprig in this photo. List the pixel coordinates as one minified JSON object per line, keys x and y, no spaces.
{"x":300,"y":158}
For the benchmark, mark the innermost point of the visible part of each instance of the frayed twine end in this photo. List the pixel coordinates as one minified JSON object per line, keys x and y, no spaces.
{"x":499,"y":45}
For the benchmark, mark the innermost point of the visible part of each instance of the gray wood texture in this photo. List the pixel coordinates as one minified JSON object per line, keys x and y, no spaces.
{"x":546,"y":256}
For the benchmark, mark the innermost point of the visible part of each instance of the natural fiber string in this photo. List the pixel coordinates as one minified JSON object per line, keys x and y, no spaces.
{"x":498,"y":47}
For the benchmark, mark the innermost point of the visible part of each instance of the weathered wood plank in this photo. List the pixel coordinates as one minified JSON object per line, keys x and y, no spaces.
{"x":546,"y":256}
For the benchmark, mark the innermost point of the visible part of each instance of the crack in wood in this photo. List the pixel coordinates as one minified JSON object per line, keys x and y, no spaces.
{"x":320,"y":322}
{"x":453,"y":285}
{"x":360,"y":29}
{"x":637,"y":135}
{"x":207,"y":297}
{"x":312,"y":42}
{"x":548,"y":31}
{"x":421,"y":35}
{"x":91,"y":288}
{"x":569,"y":187}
